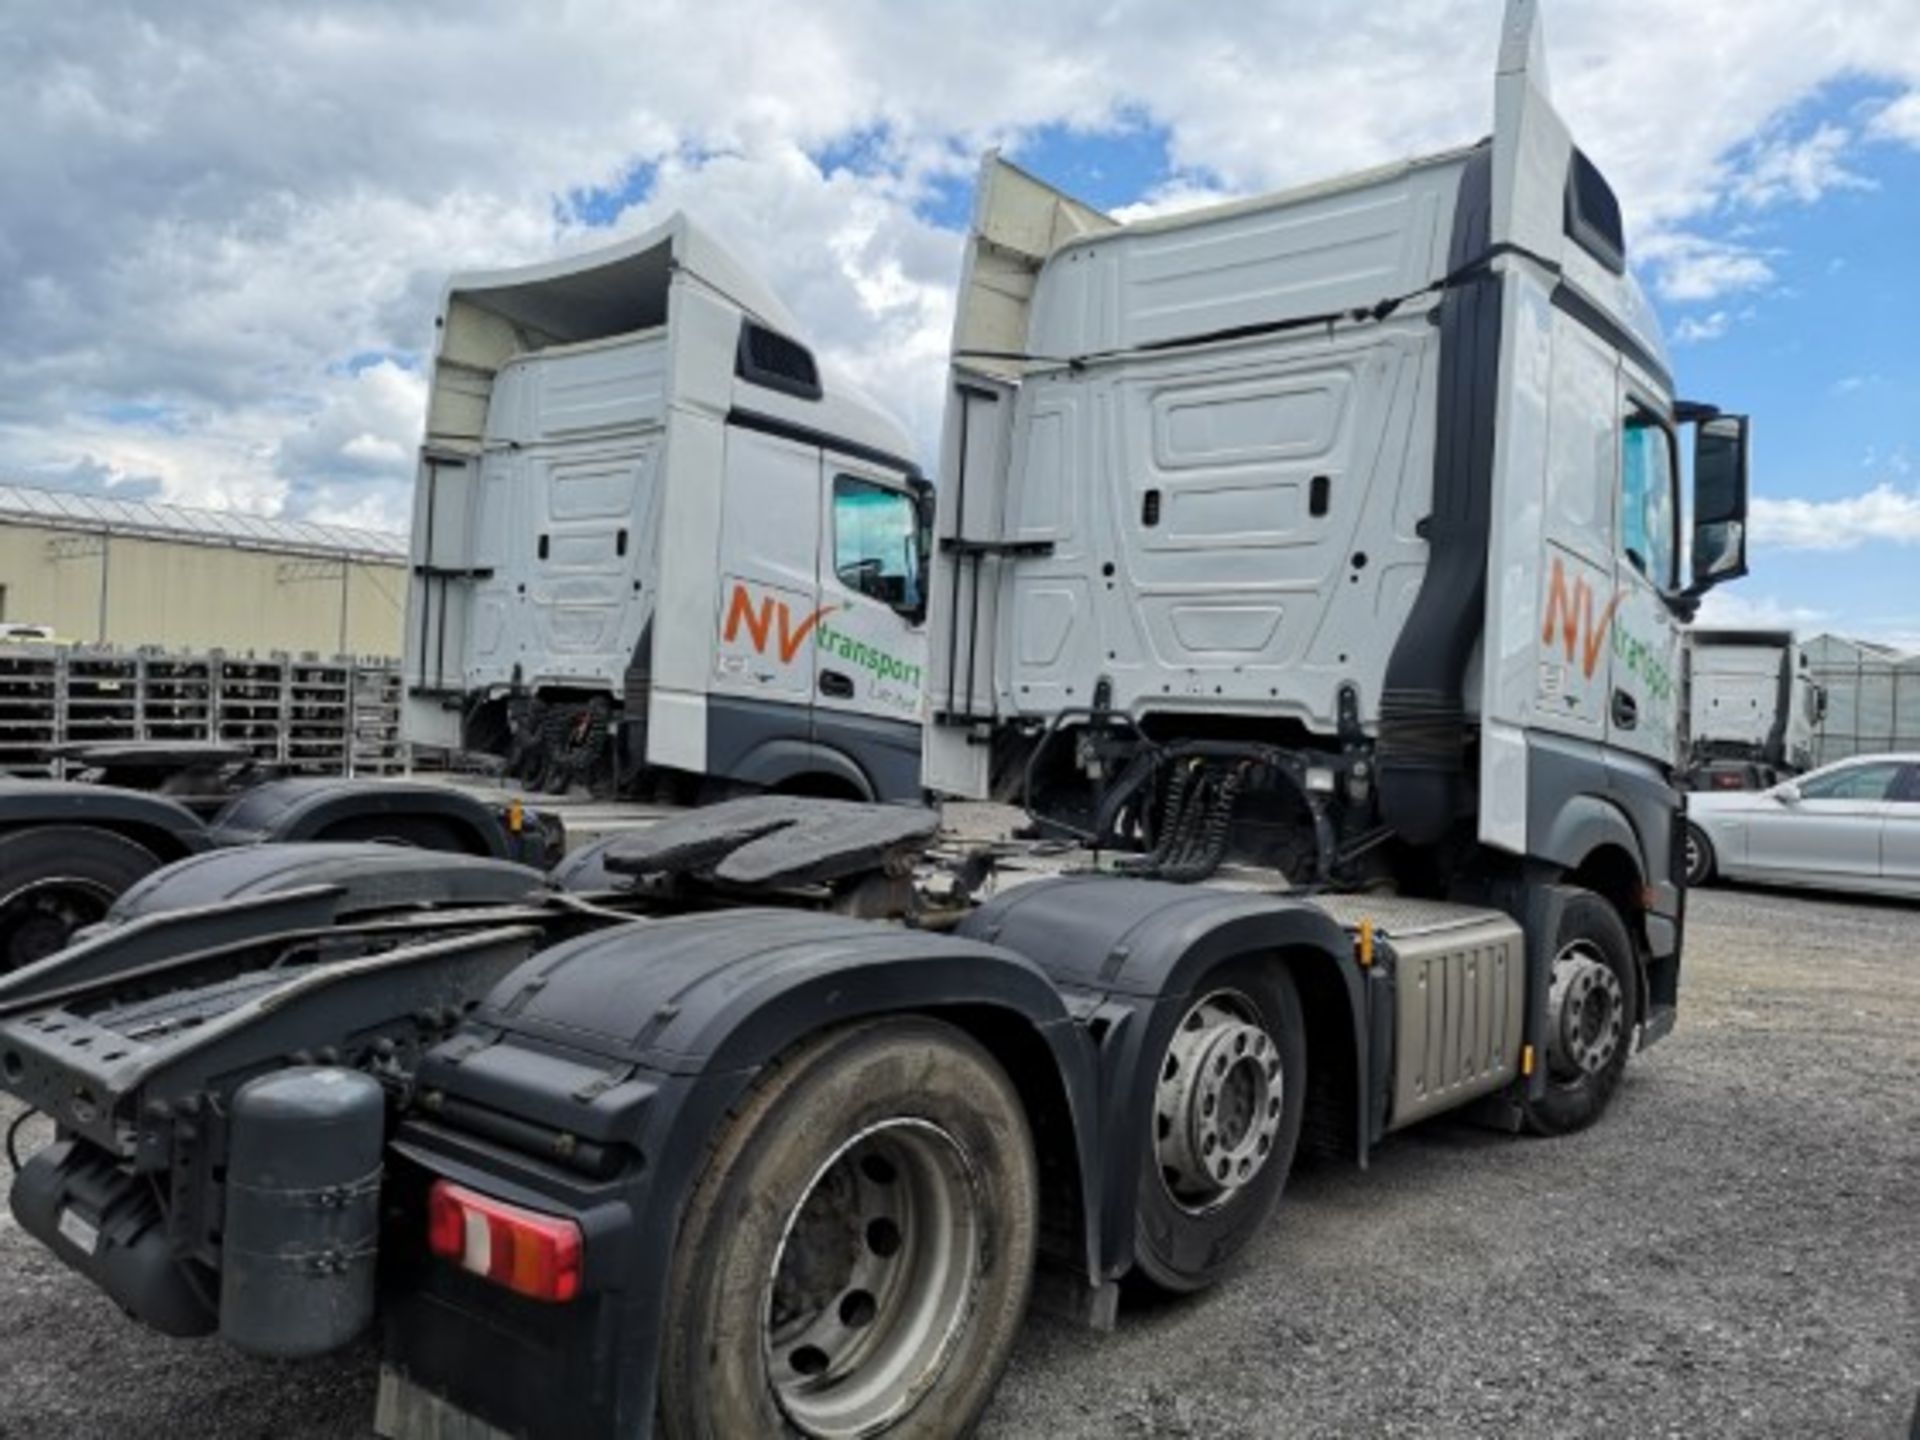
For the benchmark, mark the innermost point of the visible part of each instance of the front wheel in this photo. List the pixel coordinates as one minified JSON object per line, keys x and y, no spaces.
{"x":855,"y":1260}
{"x":1591,"y":1008}
{"x":1229,"y":1098}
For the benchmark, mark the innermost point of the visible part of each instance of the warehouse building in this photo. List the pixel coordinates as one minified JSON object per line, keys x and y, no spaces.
{"x":1873,"y":697}
{"x":132,"y":573}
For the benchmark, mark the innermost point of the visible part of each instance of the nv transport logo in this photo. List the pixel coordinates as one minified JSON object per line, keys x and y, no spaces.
{"x":776,"y":629}
{"x":1582,"y":633}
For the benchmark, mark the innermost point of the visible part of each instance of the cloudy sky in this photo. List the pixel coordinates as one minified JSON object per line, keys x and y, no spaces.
{"x":225,"y":223}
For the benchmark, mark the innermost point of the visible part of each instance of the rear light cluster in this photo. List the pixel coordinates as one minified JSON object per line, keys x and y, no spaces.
{"x":526,"y":1252}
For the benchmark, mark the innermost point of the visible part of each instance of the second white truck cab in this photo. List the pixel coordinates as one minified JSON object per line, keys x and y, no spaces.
{"x":1752,"y":707}
{"x":657,"y":545}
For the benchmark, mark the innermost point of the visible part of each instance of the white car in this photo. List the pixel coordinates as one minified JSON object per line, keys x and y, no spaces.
{"x":1852,"y":825}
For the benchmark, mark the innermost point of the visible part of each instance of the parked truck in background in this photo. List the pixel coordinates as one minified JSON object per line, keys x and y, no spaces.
{"x":658,"y":548}
{"x":1753,"y":706}
{"x":1310,"y":565}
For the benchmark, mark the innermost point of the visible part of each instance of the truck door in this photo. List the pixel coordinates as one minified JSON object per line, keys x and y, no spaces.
{"x":1643,"y":641}
{"x":769,"y":588}
{"x":871,"y":650}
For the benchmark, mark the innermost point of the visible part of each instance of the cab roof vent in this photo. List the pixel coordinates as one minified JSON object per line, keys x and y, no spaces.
{"x":1593,"y":214}
{"x":766,"y":357}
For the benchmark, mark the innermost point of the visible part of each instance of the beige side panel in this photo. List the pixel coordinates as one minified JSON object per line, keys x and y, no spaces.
{"x":186,"y":596}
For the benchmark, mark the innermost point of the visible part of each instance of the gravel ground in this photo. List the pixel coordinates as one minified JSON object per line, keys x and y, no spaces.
{"x":1735,"y":1250}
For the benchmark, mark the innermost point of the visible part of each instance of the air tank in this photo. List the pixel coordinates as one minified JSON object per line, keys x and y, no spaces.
{"x":302,"y":1211}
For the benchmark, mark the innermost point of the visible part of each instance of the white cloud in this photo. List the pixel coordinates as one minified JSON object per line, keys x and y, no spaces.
{"x":1690,"y":268}
{"x":1184,"y":193}
{"x":1694,"y":329}
{"x":1848,"y":384}
{"x":1727,"y":609}
{"x":1884,"y":513}
{"x":1803,"y":170}
{"x":1900,"y":120}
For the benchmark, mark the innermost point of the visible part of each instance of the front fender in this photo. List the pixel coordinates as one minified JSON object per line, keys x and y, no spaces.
{"x":1581,"y":826}
{"x":773,"y":763}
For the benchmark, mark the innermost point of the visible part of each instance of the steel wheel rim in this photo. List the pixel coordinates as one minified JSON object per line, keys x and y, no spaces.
{"x":1218,"y":1104}
{"x":1587,"y":1007}
{"x":1693,"y":855}
{"x":39,"y":914}
{"x":874,"y":1279}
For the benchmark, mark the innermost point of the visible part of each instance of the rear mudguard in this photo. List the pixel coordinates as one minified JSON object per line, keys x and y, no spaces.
{"x":1137,"y":948}
{"x":164,"y":826}
{"x":593,"y":1082}
{"x":595,"y":1079}
{"x":306,"y":809}
{"x":252,"y":895}
{"x":367,"y":877}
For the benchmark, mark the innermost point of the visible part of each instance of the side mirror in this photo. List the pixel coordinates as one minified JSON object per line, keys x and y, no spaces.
{"x":1719,"y":501}
{"x":1787,"y":794}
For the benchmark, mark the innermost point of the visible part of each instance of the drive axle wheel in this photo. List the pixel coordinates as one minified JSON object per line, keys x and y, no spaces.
{"x":54,"y":880}
{"x":1592,"y":1006}
{"x":855,"y":1258}
{"x":1227,"y":1106}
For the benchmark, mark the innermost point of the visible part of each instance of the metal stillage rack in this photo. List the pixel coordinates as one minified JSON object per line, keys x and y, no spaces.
{"x":313,"y":715}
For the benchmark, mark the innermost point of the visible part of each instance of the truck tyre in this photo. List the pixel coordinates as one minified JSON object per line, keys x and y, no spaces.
{"x":1699,"y":856}
{"x":856,"y":1256}
{"x":1592,"y":1007}
{"x":55,"y":879}
{"x":1228,"y":1102}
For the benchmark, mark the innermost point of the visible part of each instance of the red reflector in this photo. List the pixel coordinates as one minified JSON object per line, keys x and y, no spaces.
{"x":526,"y":1252}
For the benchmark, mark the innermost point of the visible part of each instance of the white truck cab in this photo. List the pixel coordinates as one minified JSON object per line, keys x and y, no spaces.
{"x":656,"y":543}
{"x":1337,"y":529}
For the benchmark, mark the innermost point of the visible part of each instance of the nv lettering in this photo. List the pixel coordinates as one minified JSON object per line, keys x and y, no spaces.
{"x":1571,"y":612}
{"x":762,"y":621}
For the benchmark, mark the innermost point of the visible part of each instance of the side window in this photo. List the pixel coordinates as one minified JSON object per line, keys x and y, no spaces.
{"x":876,"y":542}
{"x":1906,"y":790}
{"x":1648,"y":515}
{"x":1856,"y":782}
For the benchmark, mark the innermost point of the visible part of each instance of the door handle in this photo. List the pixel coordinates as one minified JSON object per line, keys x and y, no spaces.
{"x":836,"y":686}
{"x":1626,"y":710}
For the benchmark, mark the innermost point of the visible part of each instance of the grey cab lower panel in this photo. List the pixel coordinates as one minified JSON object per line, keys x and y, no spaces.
{"x":768,"y":743}
{"x":1581,"y":794}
